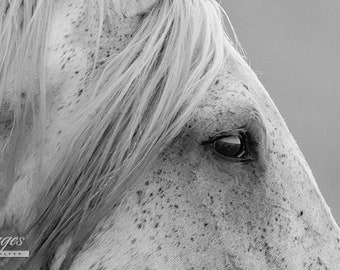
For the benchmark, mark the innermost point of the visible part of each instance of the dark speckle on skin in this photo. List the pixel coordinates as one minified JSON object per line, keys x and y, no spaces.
{"x":246,"y":87}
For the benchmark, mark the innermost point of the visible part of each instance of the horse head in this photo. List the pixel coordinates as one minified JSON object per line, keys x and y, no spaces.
{"x":135,"y":135}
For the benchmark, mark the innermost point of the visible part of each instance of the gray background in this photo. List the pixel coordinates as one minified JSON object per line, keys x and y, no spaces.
{"x":294,"y":47}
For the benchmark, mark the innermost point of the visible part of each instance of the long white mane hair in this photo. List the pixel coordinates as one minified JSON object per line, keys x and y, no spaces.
{"x":143,"y":98}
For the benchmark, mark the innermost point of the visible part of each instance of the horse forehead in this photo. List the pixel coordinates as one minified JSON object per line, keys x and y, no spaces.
{"x":236,"y":90}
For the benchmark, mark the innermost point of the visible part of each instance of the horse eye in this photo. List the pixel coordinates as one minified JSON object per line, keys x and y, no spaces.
{"x":232,"y":147}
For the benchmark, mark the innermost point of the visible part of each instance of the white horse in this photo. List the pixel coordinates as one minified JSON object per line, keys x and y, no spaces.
{"x":135,"y":136}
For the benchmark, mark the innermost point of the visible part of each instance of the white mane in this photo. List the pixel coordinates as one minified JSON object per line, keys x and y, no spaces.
{"x":143,"y":99}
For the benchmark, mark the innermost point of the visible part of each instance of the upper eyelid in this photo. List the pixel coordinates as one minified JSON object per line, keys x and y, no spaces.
{"x":246,"y":121}
{"x":207,"y":125}
{"x":224,"y":134}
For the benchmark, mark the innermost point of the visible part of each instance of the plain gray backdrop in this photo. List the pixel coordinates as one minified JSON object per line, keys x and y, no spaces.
{"x":294,"y":47}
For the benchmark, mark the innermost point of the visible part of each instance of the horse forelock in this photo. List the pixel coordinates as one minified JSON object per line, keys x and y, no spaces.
{"x":142,"y":100}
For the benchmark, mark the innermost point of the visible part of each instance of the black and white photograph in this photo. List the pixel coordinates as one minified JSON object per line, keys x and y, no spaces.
{"x":169,"y":135}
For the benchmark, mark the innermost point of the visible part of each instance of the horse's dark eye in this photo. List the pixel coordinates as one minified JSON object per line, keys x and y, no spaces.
{"x":232,"y":146}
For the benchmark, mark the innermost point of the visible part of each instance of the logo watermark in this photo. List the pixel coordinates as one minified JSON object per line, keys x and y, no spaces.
{"x":14,"y":244}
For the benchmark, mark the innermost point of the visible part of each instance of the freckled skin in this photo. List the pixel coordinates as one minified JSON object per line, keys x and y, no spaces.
{"x":193,"y":209}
